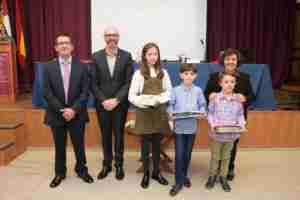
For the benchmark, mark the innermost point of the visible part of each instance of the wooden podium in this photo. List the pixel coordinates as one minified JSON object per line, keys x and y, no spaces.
{"x":8,"y":72}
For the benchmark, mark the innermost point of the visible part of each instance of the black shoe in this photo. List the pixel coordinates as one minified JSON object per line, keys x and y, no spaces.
{"x":230,"y":175}
{"x":86,"y":177}
{"x":104,"y":172}
{"x":175,"y":190}
{"x":226,"y":187}
{"x":159,"y":178}
{"x":145,"y":180}
{"x":57,"y":180}
{"x":187,"y":183}
{"x":119,"y":173}
{"x":211,"y":182}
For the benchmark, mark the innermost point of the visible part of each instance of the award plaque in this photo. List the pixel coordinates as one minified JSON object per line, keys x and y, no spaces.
{"x":229,"y":129}
{"x":193,"y":114}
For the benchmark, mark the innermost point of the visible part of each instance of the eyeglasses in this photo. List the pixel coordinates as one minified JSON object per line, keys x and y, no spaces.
{"x":111,"y":35}
{"x":63,"y":43}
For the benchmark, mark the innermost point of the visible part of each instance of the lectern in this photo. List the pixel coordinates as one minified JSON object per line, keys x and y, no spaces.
{"x":8,"y":72}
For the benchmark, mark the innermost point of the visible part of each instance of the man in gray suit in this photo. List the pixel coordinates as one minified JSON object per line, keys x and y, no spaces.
{"x":111,"y":76}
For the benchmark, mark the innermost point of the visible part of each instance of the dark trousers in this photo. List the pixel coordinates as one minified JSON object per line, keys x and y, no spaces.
{"x":112,"y":122}
{"x":154,"y":140}
{"x":233,"y":155}
{"x":183,"y":152}
{"x":76,"y":131}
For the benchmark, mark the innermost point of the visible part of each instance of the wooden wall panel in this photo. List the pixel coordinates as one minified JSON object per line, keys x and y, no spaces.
{"x":265,"y":129}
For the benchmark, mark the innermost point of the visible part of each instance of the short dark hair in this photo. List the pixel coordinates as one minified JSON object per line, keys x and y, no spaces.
{"x":229,"y":52}
{"x":222,"y":74}
{"x":63,"y":35}
{"x":188,"y":67}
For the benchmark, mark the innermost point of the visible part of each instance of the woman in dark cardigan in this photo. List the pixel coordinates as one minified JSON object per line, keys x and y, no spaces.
{"x":230,"y":59}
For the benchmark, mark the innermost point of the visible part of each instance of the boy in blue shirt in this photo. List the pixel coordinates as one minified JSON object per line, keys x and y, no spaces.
{"x":185,"y":98}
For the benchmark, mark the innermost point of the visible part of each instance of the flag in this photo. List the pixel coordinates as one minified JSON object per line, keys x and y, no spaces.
{"x":21,"y":47}
{"x":5,"y":18}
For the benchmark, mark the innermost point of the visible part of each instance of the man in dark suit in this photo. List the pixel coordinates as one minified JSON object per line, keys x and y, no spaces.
{"x":65,"y":91}
{"x":111,"y":78}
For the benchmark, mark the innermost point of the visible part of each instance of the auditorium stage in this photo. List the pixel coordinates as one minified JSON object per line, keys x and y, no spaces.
{"x":266,"y":129}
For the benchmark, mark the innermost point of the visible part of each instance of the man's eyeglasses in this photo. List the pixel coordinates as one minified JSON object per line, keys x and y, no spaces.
{"x":63,"y":43}
{"x":111,"y":35}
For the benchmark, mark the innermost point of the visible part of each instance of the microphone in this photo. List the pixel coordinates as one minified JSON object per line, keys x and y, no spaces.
{"x":202,"y":42}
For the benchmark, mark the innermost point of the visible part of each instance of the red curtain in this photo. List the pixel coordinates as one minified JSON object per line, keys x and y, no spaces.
{"x":263,"y":25}
{"x":47,"y":18}
{"x":43,"y":20}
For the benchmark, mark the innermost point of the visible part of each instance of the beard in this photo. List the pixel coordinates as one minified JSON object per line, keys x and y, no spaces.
{"x":112,"y":43}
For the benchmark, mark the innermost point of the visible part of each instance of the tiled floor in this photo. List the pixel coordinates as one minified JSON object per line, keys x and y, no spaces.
{"x":261,"y":174}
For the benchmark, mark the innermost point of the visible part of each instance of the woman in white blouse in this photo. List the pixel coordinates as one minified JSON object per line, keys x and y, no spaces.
{"x":150,"y":91}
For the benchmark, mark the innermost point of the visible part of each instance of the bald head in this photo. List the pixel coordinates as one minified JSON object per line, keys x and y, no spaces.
{"x":111,"y":30}
{"x":111,"y":37}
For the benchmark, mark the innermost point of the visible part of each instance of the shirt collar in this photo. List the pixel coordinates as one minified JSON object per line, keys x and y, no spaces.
{"x":63,"y":61}
{"x":228,"y":98}
{"x":187,"y":89}
{"x":114,"y":54}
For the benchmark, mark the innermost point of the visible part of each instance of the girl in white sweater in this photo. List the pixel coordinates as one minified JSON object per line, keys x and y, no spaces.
{"x":150,"y":91}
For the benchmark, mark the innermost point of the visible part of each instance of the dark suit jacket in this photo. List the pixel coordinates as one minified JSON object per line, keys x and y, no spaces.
{"x":104,"y":86}
{"x":55,"y":96}
{"x":242,"y":86}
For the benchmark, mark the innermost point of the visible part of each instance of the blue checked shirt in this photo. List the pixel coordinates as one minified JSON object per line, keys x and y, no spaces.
{"x":184,"y":99}
{"x":223,"y":110}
